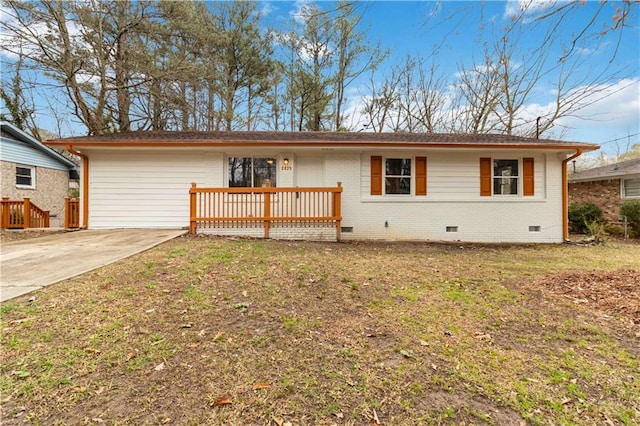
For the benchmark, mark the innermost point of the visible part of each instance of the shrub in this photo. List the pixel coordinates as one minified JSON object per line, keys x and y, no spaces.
{"x":596,"y":232}
{"x":631,"y":209}
{"x":581,"y":214}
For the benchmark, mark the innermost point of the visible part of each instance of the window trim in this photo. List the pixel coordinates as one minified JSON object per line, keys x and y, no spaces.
{"x":411,"y":176}
{"x":518,"y":177}
{"x":32,"y":176}
{"x":623,"y":189}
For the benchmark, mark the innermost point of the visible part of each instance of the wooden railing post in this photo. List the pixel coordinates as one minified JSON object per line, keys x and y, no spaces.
{"x":67,"y":213}
{"x":26,"y":216}
{"x":192,"y":209}
{"x":337,"y":210}
{"x":267,"y":210}
{"x":5,"y":213}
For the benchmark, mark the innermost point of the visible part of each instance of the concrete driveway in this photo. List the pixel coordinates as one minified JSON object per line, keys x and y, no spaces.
{"x":29,"y":265}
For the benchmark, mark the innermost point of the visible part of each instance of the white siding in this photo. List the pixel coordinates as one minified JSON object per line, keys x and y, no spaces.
{"x":15,"y":151}
{"x":147,"y":189}
{"x":453,"y":187}
{"x":310,"y":171}
{"x":150,"y":189}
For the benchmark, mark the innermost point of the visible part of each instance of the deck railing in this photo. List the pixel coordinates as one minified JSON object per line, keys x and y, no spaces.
{"x":22,"y":215}
{"x":71,"y":213}
{"x":267,"y":207}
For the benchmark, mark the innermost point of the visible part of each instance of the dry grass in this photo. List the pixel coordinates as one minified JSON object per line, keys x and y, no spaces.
{"x":11,"y":235}
{"x":243,"y":332}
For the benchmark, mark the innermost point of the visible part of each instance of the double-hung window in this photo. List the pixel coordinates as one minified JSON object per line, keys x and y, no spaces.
{"x":397,"y":179}
{"x":505,"y":177}
{"x":251,"y":172}
{"x":631,"y":188}
{"x":25,"y":176}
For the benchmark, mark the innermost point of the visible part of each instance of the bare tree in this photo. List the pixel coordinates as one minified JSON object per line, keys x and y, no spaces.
{"x":354,"y":56}
{"x":20,"y":109}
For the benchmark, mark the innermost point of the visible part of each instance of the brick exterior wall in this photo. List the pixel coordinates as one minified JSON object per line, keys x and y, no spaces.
{"x":51,"y":188}
{"x":604,"y":194}
{"x":308,"y":234}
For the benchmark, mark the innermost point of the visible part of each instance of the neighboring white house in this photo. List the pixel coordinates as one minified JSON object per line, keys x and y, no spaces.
{"x":32,"y":170}
{"x":396,"y":186}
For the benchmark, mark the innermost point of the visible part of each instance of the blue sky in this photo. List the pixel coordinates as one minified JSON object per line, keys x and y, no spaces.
{"x":458,"y":29}
{"x":451,"y":33}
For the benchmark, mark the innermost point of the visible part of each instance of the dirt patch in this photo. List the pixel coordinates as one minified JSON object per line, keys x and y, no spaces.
{"x":615,"y":293}
{"x":11,"y":235}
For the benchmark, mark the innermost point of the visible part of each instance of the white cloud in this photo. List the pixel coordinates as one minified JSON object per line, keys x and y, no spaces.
{"x":612,"y":114}
{"x":299,"y":9}
{"x":516,"y":8}
{"x":267,"y":9}
{"x":17,"y":39}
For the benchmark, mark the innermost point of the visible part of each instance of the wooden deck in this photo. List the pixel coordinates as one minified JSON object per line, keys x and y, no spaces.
{"x":266,"y":208}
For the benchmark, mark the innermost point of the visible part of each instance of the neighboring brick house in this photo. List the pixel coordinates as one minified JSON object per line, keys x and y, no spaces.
{"x":607,"y":186}
{"x":32,"y":170}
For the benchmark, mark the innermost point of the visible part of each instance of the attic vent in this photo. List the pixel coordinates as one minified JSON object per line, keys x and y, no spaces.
{"x":535,"y":228}
{"x":452,"y":229}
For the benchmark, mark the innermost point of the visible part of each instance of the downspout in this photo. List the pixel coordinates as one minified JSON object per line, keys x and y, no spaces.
{"x":85,"y":185}
{"x":565,"y":195}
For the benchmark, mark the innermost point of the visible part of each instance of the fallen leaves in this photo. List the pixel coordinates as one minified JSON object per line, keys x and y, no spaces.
{"x":281,"y":422}
{"x":483,"y":337}
{"x":612,"y":292}
{"x":223,"y":400}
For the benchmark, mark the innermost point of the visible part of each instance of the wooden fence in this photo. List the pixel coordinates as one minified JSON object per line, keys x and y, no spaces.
{"x":265,"y":207}
{"x":71,"y":213}
{"x":22,"y":215}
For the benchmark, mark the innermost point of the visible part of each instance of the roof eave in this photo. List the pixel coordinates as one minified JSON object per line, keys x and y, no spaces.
{"x":200,"y":143}
{"x":21,"y":135}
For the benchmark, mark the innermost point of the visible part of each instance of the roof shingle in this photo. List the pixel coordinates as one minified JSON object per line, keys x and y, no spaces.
{"x":144,"y":138}
{"x":624,"y":168}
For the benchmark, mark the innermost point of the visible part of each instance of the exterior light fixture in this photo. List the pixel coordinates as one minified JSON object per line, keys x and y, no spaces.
{"x":285,"y":161}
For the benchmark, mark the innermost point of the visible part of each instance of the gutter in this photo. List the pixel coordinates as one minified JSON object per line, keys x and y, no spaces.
{"x":85,"y":186}
{"x":565,"y":194}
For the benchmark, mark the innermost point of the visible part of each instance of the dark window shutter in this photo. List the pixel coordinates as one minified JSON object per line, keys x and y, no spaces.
{"x":485,"y":177}
{"x":528,"y":177}
{"x":421,"y":175}
{"x":376,"y":175}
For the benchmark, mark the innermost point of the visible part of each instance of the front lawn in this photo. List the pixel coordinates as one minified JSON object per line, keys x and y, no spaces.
{"x":245,"y":332}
